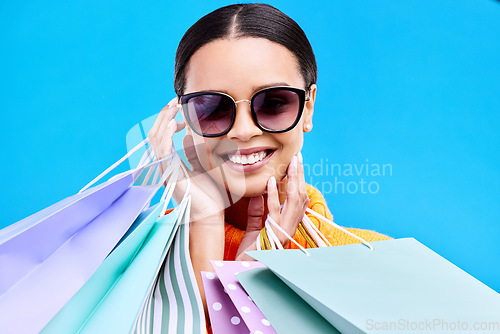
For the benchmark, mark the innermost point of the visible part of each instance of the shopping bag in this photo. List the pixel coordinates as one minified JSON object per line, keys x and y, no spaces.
{"x":282,"y":307}
{"x":246,"y":309}
{"x":28,"y":242}
{"x":72,"y":317}
{"x":112,"y":298}
{"x":399,"y":285}
{"x":47,"y":257}
{"x":224,"y":316}
{"x":173,"y":304}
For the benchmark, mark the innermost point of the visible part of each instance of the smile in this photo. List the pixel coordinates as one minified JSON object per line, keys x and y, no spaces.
{"x":248,"y":160}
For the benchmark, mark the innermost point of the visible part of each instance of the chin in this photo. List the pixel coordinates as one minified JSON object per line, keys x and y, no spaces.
{"x":255,"y":191}
{"x":246,"y":190}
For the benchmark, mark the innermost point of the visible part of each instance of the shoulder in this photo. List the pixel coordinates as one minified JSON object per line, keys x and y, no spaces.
{"x":336,"y":237}
{"x":317,"y":202}
{"x":369,"y":235}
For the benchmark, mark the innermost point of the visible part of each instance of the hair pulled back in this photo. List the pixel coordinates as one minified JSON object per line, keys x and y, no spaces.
{"x":245,"y":20}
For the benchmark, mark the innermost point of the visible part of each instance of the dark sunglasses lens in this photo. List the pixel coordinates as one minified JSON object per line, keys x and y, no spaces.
{"x":210,"y":114}
{"x":276,"y":109}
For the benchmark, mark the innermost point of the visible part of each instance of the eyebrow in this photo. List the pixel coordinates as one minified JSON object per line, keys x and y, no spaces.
{"x":255,"y":89}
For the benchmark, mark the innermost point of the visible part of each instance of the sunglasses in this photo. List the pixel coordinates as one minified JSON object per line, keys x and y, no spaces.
{"x":275,"y":109}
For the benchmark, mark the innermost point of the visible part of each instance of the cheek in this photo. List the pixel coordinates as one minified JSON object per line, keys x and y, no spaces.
{"x":203,"y":149}
{"x":291,"y":144}
{"x":292,"y":141}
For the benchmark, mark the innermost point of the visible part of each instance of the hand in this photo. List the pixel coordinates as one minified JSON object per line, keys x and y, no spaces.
{"x":288,"y":217}
{"x":207,"y":200}
{"x":160,"y":135}
{"x":296,"y":202}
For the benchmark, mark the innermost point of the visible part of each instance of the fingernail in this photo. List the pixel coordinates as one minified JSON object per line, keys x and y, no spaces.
{"x":272,"y":181}
{"x":172,"y":102}
{"x":293,"y":163}
{"x":299,"y":155}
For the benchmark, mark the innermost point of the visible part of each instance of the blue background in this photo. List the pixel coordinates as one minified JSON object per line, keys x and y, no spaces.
{"x":410,"y":84}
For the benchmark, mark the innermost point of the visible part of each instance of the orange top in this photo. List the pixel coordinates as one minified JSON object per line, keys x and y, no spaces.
{"x":316,"y":203}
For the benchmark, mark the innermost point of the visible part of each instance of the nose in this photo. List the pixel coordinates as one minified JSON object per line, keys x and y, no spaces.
{"x":244,"y":126}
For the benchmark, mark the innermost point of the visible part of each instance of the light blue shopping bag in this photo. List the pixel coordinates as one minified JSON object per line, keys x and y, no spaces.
{"x":399,"y":286}
{"x":285,"y":310}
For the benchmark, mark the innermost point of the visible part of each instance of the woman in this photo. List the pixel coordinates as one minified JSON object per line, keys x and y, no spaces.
{"x":245,"y":76}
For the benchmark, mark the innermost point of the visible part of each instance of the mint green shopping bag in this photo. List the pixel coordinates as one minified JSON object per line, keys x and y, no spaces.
{"x":173,"y":304}
{"x":399,"y":286}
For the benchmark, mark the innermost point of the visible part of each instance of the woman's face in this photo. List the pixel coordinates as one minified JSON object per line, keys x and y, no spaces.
{"x":240,"y":67}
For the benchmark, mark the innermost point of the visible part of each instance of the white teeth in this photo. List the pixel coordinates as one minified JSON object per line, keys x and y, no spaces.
{"x":247,"y":159}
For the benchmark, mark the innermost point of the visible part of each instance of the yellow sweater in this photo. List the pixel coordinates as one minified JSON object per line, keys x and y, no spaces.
{"x":318,"y":204}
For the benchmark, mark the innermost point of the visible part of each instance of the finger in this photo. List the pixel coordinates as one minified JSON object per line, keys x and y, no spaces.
{"x":161,"y":140}
{"x":190,"y":152}
{"x":160,"y":119}
{"x":302,"y":182}
{"x":180,"y":126}
{"x":162,"y":146}
{"x":254,"y":226}
{"x":293,"y":207}
{"x":167,"y":118}
{"x":165,"y":139}
{"x":292,"y":187}
{"x":173,"y":102}
{"x":154,"y":129}
{"x":172,"y":109}
{"x":273,"y":201}
{"x":255,"y":213}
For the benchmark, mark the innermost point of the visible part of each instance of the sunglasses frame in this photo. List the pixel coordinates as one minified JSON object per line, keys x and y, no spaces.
{"x":301,"y":93}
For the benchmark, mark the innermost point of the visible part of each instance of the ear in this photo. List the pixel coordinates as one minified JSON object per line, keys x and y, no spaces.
{"x":309,"y":109}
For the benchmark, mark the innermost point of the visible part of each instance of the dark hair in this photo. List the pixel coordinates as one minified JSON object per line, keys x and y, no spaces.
{"x":245,"y":20}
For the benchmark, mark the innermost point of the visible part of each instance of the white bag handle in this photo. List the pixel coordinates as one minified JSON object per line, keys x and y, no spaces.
{"x":320,"y":239}
{"x":273,"y":236}
{"x":172,"y":173}
{"x":317,"y":215}
{"x":146,"y":156}
{"x":144,"y":163}
{"x":170,"y":186}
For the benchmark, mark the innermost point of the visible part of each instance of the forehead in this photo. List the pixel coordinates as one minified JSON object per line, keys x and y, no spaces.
{"x":240,"y":66}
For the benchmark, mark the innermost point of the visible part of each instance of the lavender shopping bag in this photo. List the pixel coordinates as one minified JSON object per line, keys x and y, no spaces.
{"x":47,"y":257}
{"x":224,"y":317}
{"x":80,"y":308}
{"x":146,"y":284}
{"x":246,"y":309}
